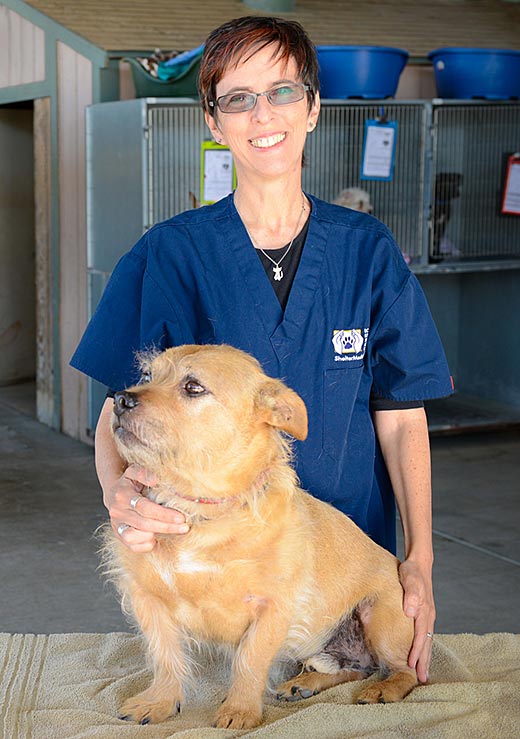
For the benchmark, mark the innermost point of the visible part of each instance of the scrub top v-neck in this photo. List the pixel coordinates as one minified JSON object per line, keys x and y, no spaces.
{"x":285,"y":261}
{"x":356,"y":323}
{"x":280,"y":326}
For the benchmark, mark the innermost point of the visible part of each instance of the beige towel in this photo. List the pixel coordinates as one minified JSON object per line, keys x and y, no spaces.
{"x":69,"y":686}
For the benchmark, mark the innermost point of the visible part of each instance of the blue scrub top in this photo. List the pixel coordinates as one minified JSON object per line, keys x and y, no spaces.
{"x":356,"y":321}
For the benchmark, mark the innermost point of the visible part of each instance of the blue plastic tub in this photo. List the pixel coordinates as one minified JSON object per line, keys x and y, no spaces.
{"x":493,"y":74}
{"x":370,"y":72}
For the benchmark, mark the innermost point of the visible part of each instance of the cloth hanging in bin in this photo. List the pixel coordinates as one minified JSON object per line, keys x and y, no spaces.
{"x":177,"y":65}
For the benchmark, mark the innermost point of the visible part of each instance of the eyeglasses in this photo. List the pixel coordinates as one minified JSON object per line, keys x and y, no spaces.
{"x":239,"y":102}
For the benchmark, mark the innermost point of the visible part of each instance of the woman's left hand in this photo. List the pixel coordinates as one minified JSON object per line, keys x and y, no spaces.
{"x":418,"y":604}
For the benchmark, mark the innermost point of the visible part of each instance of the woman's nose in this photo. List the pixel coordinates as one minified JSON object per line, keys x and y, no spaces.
{"x":124,"y":401}
{"x":263,"y":109}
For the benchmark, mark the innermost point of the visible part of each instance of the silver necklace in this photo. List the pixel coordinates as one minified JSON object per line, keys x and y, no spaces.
{"x":277,"y":269}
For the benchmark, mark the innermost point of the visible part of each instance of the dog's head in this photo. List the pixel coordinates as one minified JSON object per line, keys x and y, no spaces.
{"x":206,"y":418}
{"x":354,"y":198}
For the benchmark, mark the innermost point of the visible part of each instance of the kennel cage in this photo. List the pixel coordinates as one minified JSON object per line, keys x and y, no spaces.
{"x":334,"y":155}
{"x":471,"y":143}
{"x":143,"y":166}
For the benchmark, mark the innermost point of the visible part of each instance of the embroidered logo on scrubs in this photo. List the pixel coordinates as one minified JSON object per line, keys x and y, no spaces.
{"x":349,"y":344}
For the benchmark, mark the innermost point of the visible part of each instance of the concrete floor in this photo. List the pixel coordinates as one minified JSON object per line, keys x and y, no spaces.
{"x":50,"y":505}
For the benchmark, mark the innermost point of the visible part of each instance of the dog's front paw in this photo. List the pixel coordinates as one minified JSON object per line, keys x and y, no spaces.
{"x":230,"y":716}
{"x":149,"y":708}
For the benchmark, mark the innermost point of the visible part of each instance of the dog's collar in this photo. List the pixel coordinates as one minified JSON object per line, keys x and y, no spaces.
{"x":260,"y":485}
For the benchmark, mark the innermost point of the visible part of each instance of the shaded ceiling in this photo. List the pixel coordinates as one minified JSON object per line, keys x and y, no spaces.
{"x":419,"y":27}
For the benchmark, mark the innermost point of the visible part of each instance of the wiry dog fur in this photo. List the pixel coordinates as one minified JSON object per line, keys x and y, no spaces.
{"x":266,"y":568}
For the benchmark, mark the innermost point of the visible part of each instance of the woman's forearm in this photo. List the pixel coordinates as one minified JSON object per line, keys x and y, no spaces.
{"x":403,"y":437}
{"x":109,"y":465}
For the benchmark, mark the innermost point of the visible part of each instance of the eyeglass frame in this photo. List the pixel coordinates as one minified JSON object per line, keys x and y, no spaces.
{"x":215,"y":103}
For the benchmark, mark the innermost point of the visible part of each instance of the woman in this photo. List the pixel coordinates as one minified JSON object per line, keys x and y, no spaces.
{"x":340,"y":318}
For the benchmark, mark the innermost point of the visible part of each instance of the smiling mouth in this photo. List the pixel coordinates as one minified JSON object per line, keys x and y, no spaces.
{"x":267,"y":141}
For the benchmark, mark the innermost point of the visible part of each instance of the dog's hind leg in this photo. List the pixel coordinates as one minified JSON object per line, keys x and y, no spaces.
{"x":164,"y":696}
{"x":343,"y":658}
{"x":308,"y":684}
{"x":389,"y":635}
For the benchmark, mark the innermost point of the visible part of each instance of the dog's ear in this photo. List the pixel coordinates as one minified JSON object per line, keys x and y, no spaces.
{"x":281,"y":407}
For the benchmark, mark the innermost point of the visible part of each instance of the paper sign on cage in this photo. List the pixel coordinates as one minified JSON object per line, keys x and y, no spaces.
{"x":377,"y":162}
{"x":217,"y":173}
{"x":511,"y":198}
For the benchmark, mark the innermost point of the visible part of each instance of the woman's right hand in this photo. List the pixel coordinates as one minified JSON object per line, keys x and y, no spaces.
{"x":135,"y":519}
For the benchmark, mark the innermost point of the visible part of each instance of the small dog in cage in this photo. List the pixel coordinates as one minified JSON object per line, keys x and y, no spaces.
{"x":266,"y":568}
{"x":447,"y":189}
{"x":355,"y":198}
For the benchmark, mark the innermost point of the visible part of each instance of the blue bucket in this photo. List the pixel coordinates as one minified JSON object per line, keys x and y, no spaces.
{"x":493,"y":74}
{"x":370,"y":72}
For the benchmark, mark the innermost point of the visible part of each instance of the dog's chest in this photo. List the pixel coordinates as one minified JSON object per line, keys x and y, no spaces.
{"x":210,"y":598}
{"x":193,"y":563}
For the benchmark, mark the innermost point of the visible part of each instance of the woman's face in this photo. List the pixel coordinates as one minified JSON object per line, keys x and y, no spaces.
{"x":267,"y":141}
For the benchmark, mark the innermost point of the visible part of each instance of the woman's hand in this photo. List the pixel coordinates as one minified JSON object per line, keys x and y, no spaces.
{"x":418,"y":604}
{"x":134,"y":518}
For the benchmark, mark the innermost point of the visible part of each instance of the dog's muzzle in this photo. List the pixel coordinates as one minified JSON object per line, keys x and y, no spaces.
{"x":124,"y":401}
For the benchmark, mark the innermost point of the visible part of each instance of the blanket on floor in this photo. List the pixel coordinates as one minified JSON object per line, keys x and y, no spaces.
{"x":69,"y":686}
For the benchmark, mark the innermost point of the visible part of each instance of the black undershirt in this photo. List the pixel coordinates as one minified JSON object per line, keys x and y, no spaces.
{"x":282,"y":289}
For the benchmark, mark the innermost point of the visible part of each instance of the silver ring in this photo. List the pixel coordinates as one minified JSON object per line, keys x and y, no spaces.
{"x":135,"y":500}
{"x":122,"y":528}
{"x":429,"y":635}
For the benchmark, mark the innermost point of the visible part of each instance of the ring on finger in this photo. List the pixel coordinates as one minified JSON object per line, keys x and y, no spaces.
{"x":122,"y":528}
{"x":429,"y":635}
{"x":135,"y":500}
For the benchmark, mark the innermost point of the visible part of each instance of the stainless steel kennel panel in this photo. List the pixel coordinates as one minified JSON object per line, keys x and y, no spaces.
{"x":334,"y":156}
{"x":471,"y":143}
{"x":175,"y":134}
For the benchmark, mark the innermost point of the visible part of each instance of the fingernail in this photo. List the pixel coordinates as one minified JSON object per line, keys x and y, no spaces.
{"x":184,"y":528}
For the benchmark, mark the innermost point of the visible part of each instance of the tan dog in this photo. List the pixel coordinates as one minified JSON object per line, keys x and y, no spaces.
{"x":265,"y":568}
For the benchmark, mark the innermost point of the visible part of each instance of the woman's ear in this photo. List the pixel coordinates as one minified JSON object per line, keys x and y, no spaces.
{"x":314,"y":113}
{"x":215,"y":131}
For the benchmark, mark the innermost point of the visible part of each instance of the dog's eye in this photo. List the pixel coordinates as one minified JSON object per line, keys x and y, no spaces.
{"x":192,"y":387}
{"x":146,"y":376}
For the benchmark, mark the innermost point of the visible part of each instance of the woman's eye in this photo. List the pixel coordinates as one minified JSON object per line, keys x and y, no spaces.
{"x":192,"y":387}
{"x":237,"y":99}
{"x":282,"y":92}
{"x":146,"y":377}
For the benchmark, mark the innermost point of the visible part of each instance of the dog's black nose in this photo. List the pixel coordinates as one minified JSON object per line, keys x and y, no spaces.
{"x":124,"y":401}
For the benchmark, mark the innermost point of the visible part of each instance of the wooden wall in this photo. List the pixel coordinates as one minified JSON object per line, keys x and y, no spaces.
{"x":74,"y":94}
{"x":45,"y":355}
{"x":22,"y":50}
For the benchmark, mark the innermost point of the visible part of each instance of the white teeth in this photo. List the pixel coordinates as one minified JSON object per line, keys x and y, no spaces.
{"x":268,"y":141}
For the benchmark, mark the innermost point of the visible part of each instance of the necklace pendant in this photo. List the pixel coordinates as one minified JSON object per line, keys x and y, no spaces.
{"x":278,"y":272}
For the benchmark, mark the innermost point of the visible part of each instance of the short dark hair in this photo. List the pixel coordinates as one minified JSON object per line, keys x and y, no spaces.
{"x":239,"y":39}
